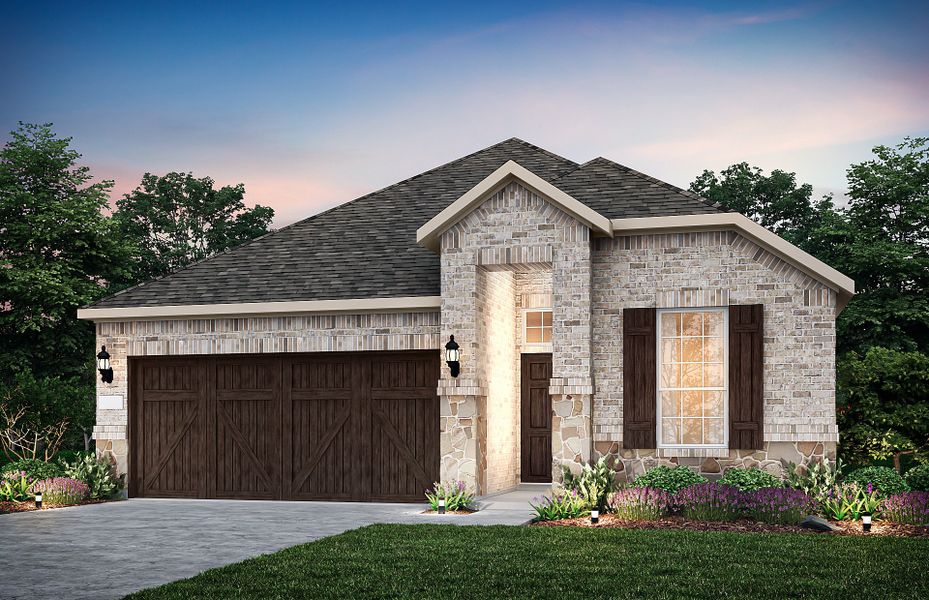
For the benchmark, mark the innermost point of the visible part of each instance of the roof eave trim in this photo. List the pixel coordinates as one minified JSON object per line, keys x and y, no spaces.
{"x":359,"y":305}
{"x":428,"y":235}
{"x":815,"y":268}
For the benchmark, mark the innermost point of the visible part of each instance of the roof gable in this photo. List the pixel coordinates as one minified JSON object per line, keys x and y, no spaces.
{"x":428,"y":235}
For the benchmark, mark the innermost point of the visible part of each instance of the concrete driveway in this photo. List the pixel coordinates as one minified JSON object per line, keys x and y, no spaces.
{"x":110,"y":550}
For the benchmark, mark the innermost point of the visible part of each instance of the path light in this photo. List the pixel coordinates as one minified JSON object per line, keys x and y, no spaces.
{"x":594,"y":516}
{"x":453,"y":356}
{"x":866,"y":522}
{"x":38,"y":499}
{"x":103,"y":365}
{"x":441,"y":506}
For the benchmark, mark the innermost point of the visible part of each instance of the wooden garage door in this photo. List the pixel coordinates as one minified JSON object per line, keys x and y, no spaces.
{"x":335,"y":426}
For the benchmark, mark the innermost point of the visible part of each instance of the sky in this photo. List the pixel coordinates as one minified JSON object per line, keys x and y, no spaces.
{"x":311,"y":105}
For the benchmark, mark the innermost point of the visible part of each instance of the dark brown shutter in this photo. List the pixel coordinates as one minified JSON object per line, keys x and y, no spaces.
{"x":746,"y":400}
{"x":640,"y":384}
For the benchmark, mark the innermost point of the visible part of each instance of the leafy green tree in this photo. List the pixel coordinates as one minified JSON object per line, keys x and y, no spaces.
{"x":774,"y":201}
{"x":882,"y":406}
{"x":178,"y":219}
{"x":887,"y":251}
{"x":58,"y":251}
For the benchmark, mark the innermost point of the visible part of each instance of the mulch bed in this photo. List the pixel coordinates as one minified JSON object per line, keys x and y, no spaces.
{"x":15,"y":507}
{"x":879,"y":528}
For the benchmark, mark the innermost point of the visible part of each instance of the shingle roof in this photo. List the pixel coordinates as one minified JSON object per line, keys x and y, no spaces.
{"x":367,"y":248}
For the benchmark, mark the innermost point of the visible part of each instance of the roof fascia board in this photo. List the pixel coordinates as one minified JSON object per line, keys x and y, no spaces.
{"x":361,"y":305}
{"x":428,"y":235}
{"x":815,"y":268}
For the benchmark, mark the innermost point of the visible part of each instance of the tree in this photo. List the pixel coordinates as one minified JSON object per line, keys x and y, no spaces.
{"x":888,"y":253}
{"x":58,"y":251}
{"x":882,"y":409}
{"x":178,"y":219}
{"x":773,"y":201}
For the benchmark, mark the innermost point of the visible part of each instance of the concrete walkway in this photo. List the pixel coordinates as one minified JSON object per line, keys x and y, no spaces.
{"x":110,"y":550}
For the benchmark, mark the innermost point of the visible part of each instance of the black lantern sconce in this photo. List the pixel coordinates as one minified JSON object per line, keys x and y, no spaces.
{"x":103,"y":365}
{"x":453,"y":356}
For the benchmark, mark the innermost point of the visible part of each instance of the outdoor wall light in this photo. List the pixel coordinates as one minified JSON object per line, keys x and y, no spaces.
{"x":866,"y":522}
{"x":103,"y":365}
{"x":594,"y":516}
{"x":453,"y":356}
{"x":441,"y":506}
{"x":38,"y":500}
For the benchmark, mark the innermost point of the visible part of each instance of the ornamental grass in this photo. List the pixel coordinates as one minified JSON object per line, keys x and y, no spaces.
{"x":640,"y":504}
{"x":910,"y":508}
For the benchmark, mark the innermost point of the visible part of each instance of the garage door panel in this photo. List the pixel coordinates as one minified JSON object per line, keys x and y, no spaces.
{"x":247,"y":425}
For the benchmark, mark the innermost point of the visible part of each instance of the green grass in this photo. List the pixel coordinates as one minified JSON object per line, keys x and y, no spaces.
{"x":445,"y":561}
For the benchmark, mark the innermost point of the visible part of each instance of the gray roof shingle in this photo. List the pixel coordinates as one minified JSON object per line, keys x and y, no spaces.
{"x":367,"y":248}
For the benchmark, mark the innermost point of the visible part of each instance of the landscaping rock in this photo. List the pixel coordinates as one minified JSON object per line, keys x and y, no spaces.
{"x":818,"y":524}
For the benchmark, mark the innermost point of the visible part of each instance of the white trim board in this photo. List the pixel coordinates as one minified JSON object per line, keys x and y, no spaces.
{"x":428,"y":235}
{"x":358,"y":305}
{"x":815,"y":268}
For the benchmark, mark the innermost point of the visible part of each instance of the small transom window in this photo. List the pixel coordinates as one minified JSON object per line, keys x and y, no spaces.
{"x":692,"y":382}
{"x":538,"y":326}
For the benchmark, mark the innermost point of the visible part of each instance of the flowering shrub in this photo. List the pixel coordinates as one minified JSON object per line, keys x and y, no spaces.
{"x":97,"y":472}
{"x":456,"y":494}
{"x":34,"y":469}
{"x":849,"y":500}
{"x":885,"y":480}
{"x":15,"y":486}
{"x":784,"y":506}
{"x":61,"y":490}
{"x":640,"y":504}
{"x":749,"y":480}
{"x":562,"y":504}
{"x":710,"y":502}
{"x":816,"y":478}
{"x":594,"y":483}
{"x":668,"y":478}
{"x":909,"y":507}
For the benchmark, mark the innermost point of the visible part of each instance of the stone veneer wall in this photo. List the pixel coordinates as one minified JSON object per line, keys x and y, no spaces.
{"x":718,"y":268}
{"x":300,"y":333}
{"x":500,"y":448}
{"x":517,"y":230}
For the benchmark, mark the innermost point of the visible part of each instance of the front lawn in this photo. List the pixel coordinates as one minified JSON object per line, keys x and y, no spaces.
{"x":447,"y":561}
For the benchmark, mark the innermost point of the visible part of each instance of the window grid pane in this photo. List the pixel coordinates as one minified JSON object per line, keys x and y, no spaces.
{"x":538,"y":325}
{"x":692,"y":378}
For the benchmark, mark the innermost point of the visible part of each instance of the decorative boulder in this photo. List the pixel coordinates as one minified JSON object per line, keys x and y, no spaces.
{"x":818,"y":524}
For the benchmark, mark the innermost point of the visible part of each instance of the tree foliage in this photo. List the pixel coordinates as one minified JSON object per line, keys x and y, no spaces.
{"x":882,"y":409}
{"x":178,"y":219}
{"x":58,"y":250}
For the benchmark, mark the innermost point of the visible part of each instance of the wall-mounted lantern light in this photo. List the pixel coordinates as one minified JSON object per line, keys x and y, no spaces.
{"x":453,"y":356}
{"x":103,"y":365}
{"x":866,"y":522}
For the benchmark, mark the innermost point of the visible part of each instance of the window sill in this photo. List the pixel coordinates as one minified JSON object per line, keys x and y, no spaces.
{"x":693,"y":452}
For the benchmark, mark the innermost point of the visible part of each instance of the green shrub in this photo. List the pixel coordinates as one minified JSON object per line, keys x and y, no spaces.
{"x":884,"y":479}
{"x":749,"y":480}
{"x":847,"y":501}
{"x":918,"y":478}
{"x":817,"y":479}
{"x":97,"y":472}
{"x":35,"y":468}
{"x":669,"y":479}
{"x":562,"y":504}
{"x":15,"y":486}
{"x":456,"y":494}
{"x":593,"y":484}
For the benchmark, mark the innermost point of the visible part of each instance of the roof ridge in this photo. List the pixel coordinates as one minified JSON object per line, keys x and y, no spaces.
{"x":657,"y":181}
{"x":325,"y":212}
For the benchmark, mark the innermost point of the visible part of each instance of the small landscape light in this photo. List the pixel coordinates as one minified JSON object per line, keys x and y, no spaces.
{"x":38,"y":499}
{"x":441,"y":506}
{"x":103,"y":365}
{"x":594,"y":516}
{"x":866,"y":522}
{"x":453,"y":356}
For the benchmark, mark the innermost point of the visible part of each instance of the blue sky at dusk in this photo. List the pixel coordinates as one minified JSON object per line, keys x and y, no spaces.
{"x":311,"y":106}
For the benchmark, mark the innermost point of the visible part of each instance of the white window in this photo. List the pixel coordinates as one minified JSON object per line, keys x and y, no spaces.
{"x":537,"y":326}
{"x":693,"y":405}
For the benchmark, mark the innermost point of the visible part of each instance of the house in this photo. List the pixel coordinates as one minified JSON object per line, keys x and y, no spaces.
{"x":599,"y":311}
